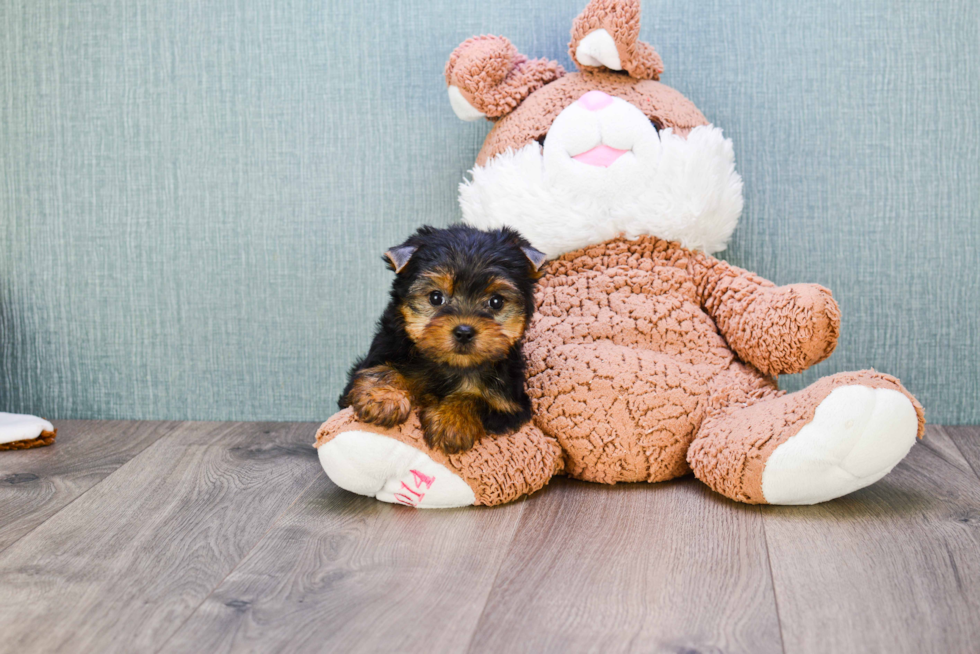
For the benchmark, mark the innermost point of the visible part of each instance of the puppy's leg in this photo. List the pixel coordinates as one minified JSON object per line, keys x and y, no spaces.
{"x":380,"y":396}
{"x":453,"y":425}
{"x":503,"y":414}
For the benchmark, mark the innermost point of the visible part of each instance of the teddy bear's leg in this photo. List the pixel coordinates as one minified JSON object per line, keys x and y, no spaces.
{"x":839,"y":434}
{"x":21,"y":432}
{"x":395,"y":465}
{"x":621,"y":414}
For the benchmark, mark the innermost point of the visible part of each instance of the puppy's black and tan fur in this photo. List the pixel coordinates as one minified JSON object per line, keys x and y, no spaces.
{"x":449,"y":342}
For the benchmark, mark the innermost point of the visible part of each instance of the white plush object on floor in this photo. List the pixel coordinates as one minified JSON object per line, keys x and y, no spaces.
{"x":19,"y":427}
{"x":858,"y":434}
{"x":377,"y":466}
{"x":665,"y":185}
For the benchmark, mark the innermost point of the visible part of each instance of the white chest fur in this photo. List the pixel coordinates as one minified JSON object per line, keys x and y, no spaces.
{"x":664,"y":185}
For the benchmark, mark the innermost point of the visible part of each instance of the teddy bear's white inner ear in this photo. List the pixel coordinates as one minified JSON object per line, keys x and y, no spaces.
{"x":463,"y":109}
{"x":598,"y":49}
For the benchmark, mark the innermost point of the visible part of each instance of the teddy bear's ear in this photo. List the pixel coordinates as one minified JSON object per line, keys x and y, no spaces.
{"x":488,"y":77}
{"x":606,"y":35}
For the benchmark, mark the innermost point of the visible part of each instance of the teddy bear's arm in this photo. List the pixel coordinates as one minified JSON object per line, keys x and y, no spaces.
{"x":777,"y":329}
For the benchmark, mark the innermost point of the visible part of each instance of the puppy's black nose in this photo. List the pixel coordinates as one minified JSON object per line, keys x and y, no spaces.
{"x":463,"y":333}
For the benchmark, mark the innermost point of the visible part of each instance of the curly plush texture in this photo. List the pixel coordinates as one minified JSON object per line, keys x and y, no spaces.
{"x":781,"y":330}
{"x":630,"y":351}
{"x":499,"y":469}
{"x":494,"y":77}
{"x":621,"y":19}
{"x":732,"y":447}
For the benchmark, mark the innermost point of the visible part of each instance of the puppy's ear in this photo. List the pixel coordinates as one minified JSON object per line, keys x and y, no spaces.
{"x":488,"y":77}
{"x":536,"y":257}
{"x":399,"y":256}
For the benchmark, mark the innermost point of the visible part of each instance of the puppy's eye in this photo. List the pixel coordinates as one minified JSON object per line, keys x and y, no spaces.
{"x":496,"y":303}
{"x":436,"y":298}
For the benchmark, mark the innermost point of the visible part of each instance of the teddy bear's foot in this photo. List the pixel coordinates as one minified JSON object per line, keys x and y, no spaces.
{"x":395,"y":465}
{"x":21,"y":432}
{"x":841,"y":434}
{"x":857,"y":435}
{"x":381,"y":467}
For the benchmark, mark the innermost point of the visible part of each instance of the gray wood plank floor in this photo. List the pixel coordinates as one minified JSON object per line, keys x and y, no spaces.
{"x":227,"y":537}
{"x":36,"y":484}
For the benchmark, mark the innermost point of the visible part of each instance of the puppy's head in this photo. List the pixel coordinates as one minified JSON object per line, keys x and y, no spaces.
{"x":465,"y":295}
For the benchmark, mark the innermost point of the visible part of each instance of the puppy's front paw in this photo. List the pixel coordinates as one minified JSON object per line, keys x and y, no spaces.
{"x":451,"y":427}
{"x":379,"y":397}
{"x":383,"y":407}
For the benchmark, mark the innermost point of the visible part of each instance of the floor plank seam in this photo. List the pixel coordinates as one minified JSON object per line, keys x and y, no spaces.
{"x":496,"y":575}
{"x":772,"y":580}
{"x":272,"y":525}
{"x":88,"y":490}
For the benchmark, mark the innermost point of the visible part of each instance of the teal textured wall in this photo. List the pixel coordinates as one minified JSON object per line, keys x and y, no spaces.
{"x":194,"y":195}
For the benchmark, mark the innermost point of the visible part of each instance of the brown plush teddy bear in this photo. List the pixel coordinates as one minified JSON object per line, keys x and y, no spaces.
{"x":648,"y":358}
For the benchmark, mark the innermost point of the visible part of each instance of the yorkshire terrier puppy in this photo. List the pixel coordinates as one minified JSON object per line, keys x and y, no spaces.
{"x":449,"y":342}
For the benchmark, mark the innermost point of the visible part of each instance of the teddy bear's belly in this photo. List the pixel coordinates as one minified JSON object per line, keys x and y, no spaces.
{"x":664,"y":320}
{"x":624,"y":378}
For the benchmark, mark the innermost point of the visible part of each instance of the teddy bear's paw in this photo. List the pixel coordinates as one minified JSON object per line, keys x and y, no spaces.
{"x":857,"y":435}
{"x":391,"y":471}
{"x":15,"y":428}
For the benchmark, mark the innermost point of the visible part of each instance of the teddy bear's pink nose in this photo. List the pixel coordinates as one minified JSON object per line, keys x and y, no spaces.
{"x":595,"y":100}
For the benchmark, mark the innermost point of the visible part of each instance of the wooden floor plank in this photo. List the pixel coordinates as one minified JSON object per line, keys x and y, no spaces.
{"x":667,"y":567}
{"x":967,"y":440}
{"x":345,"y":573}
{"x":892,"y":568}
{"x":125,"y":564}
{"x":200,"y":537}
{"x":35,"y":484}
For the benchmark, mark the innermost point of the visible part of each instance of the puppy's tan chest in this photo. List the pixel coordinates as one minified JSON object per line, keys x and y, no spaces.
{"x":471,"y":387}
